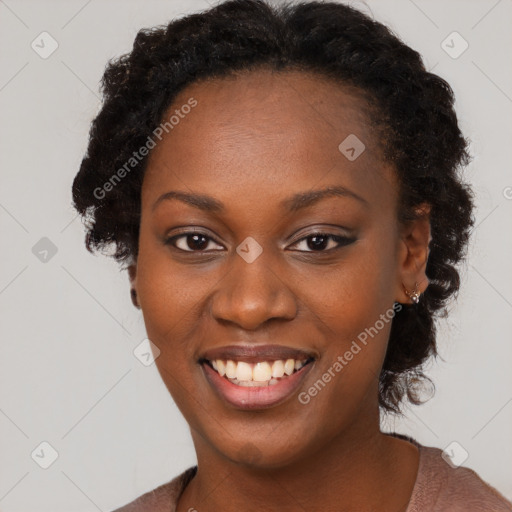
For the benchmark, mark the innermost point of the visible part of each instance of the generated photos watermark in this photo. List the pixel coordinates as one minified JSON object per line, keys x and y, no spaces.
{"x":341,"y":361}
{"x":143,"y":151}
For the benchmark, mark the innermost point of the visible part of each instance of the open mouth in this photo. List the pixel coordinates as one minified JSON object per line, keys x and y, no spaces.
{"x":256,"y":376}
{"x":259,"y":373}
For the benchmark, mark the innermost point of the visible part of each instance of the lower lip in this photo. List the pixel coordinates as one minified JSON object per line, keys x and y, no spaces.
{"x":255,"y":397}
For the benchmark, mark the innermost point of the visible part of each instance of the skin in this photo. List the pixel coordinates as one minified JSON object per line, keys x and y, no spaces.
{"x":253,"y":141}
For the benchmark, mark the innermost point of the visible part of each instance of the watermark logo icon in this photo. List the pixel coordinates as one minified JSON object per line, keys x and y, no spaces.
{"x":44,"y":250}
{"x":146,"y":352}
{"x":249,"y":249}
{"x":251,"y":453}
{"x":44,"y":45}
{"x":454,"y":45}
{"x":455,"y":454}
{"x":352,"y":147}
{"x":44,"y":455}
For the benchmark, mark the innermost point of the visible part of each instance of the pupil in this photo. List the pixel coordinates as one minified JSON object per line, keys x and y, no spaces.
{"x":195,"y":244}
{"x":318,"y":245}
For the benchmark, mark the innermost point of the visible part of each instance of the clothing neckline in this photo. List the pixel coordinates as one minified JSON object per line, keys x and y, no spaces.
{"x":420,"y":473}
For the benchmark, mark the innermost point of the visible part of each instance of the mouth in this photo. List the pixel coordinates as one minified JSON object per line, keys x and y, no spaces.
{"x":252,"y":377}
{"x":260,"y":374}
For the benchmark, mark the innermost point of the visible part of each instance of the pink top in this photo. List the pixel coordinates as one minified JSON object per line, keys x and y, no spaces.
{"x":438,"y":488}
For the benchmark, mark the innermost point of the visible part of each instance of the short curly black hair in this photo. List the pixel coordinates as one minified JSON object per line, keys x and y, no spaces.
{"x":415,"y":110}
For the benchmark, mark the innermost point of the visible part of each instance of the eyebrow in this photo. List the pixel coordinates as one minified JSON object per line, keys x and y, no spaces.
{"x":294,"y":203}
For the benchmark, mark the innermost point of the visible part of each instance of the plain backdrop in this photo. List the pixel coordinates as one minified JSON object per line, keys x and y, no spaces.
{"x":68,"y":375}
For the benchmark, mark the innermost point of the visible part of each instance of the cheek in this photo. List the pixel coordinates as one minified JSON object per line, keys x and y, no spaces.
{"x":353,"y":304}
{"x":167,"y":291}
{"x":350,"y":296}
{"x":169,"y":298}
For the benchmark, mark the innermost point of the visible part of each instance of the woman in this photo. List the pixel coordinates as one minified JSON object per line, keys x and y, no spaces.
{"x":283,"y":186}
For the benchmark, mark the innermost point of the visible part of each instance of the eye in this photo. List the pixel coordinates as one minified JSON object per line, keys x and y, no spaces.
{"x":318,"y":242}
{"x":190,"y":242}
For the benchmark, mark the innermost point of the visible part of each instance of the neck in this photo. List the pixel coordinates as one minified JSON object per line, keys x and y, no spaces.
{"x":373,"y":471}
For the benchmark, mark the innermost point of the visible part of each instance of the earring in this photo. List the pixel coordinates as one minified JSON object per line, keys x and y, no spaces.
{"x":414,"y":295}
{"x":133,"y":294}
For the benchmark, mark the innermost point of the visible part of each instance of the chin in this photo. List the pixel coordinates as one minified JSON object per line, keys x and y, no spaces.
{"x":265,"y":453}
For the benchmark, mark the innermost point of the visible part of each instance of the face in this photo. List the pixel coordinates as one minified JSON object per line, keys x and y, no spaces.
{"x":246,"y":263}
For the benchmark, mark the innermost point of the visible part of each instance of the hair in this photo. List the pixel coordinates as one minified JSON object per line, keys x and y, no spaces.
{"x":418,"y":131}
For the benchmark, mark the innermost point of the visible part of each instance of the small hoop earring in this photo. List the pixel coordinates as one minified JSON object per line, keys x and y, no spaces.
{"x":414,"y":295}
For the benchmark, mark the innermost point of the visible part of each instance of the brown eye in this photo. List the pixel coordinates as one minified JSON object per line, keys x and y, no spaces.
{"x":190,"y":242}
{"x":324,"y":242}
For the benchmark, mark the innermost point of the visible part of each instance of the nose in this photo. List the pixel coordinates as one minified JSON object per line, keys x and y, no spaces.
{"x":253,"y":293}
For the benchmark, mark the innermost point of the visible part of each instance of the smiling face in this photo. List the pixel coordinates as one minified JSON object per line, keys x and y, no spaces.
{"x":267,"y":260}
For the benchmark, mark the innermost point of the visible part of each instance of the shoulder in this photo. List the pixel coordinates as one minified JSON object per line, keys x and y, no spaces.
{"x":442,"y":487}
{"x":163,"y":498}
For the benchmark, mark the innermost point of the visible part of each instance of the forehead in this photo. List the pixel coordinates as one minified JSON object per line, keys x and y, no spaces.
{"x":267,"y":131}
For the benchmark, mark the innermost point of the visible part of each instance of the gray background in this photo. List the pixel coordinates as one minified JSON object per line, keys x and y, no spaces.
{"x":68,"y":375}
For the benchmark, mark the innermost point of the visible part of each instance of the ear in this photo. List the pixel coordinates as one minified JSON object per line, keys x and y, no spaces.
{"x":413,"y":252}
{"x":132,"y":274}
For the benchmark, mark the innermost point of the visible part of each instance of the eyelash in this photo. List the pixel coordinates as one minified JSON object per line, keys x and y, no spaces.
{"x":340,"y":240}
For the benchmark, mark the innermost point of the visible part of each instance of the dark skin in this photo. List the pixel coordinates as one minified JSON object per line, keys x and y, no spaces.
{"x":251,"y":143}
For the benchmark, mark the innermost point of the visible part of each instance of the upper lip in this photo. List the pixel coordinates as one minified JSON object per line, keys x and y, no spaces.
{"x":255,"y":353}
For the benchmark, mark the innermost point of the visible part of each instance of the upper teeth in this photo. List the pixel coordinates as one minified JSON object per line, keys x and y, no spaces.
{"x":258,"y":372}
